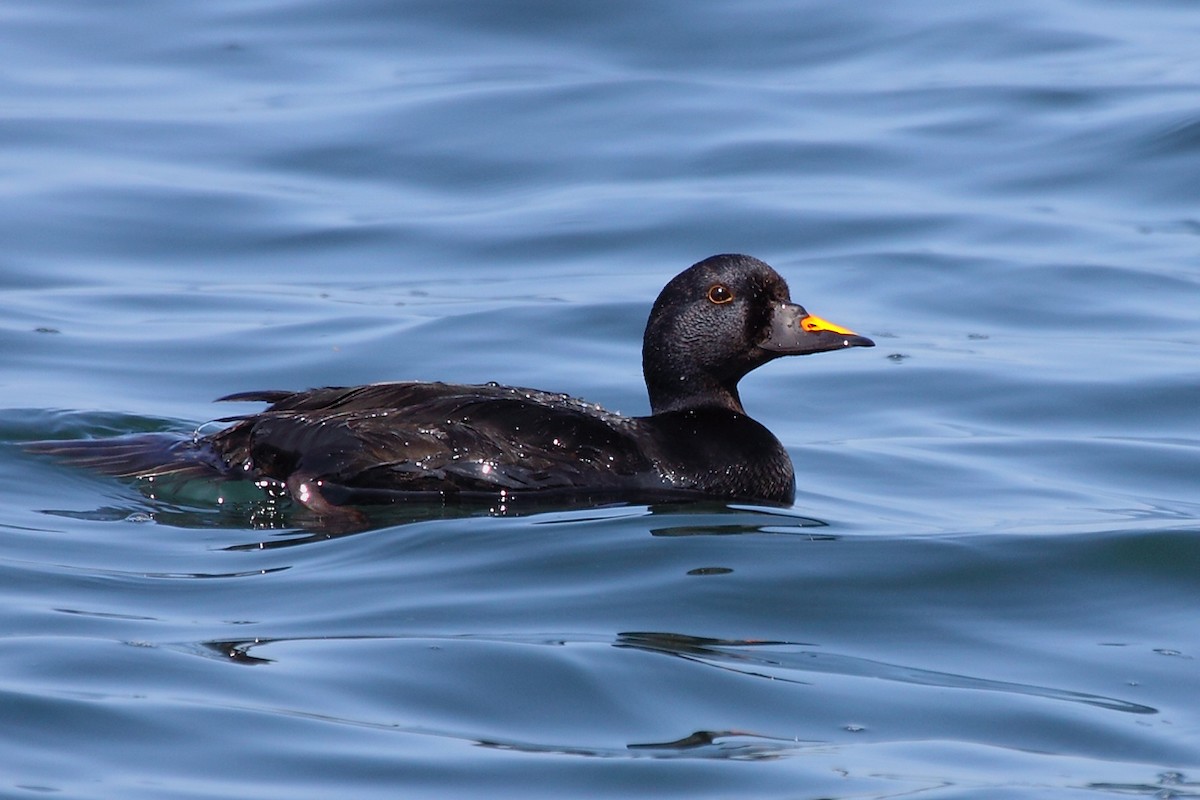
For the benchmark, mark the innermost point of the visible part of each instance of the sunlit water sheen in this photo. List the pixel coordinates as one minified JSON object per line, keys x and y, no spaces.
{"x":987,"y":587}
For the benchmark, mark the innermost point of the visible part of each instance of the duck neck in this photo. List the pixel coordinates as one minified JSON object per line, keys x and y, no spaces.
{"x":673,"y":390}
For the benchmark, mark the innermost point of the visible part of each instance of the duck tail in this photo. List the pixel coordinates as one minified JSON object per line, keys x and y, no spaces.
{"x":142,"y":455}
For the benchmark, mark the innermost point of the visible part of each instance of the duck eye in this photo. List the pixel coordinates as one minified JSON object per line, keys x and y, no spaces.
{"x":719,"y":293}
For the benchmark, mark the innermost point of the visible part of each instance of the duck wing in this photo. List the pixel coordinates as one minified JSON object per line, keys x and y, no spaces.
{"x":436,"y":437}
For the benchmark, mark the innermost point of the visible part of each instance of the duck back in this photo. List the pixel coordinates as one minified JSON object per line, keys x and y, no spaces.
{"x":437,"y":437}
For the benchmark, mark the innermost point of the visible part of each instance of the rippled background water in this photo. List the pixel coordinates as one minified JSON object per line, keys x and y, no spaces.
{"x":988,"y":585}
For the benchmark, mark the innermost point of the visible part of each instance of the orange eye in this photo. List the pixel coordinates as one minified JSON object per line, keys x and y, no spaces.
{"x":719,"y":293}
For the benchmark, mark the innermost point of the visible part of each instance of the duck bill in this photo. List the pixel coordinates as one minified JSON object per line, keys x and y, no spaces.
{"x":792,"y":331}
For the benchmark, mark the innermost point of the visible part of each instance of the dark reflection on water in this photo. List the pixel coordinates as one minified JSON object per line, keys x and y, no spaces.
{"x":725,"y":744}
{"x":731,"y":745}
{"x":775,"y":665}
{"x":236,"y":652}
{"x":778,"y":661}
{"x":1169,"y":785}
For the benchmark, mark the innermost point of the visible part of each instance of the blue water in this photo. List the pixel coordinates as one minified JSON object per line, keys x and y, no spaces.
{"x":989,"y":583}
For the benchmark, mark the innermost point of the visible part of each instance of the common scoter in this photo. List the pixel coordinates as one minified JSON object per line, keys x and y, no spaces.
{"x":712,"y":324}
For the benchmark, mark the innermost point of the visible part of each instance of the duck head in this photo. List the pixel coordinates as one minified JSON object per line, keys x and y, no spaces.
{"x":719,"y":319}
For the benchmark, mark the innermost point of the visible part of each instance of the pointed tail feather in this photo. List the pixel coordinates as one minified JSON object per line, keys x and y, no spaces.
{"x":263,"y":396}
{"x":140,"y":455}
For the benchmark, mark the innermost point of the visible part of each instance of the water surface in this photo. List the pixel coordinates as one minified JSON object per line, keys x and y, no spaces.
{"x":987,"y":586}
